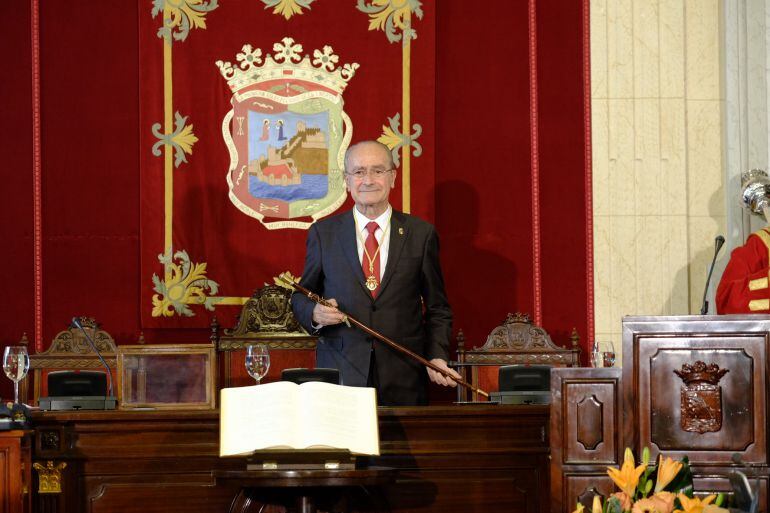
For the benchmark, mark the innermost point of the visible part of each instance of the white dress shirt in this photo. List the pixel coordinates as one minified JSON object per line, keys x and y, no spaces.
{"x":383,"y":221}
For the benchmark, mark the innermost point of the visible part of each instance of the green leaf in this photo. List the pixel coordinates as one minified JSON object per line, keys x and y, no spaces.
{"x":612,"y":505}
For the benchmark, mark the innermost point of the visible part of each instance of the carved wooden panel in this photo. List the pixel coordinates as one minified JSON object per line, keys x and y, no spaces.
{"x":672,"y":414}
{"x":590,"y":421}
{"x":14,"y":472}
{"x":586,"y":434}
{"x":582,"y":488}
{"x":697,"y":386}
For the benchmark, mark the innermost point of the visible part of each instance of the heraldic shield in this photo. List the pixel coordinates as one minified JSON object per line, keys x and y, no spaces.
{"x":701,"y":395}
{"x":286,"y":133}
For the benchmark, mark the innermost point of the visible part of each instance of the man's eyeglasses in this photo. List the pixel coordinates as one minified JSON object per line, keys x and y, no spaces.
{"x":360,"y":172}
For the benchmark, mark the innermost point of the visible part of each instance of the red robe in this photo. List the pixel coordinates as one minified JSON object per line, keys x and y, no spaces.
{"x":744,"y":284}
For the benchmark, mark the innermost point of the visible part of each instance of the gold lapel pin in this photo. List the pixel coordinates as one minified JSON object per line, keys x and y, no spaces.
{"x":400,"y":231}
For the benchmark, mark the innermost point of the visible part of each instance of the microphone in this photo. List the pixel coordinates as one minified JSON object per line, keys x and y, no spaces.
{"x":718,"y":242}
{"x":76,"y":324}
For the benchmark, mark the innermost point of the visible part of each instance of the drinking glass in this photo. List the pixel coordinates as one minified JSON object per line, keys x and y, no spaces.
{"x":595,"y":359}
{"x":15,"y":366}
{"x":607,"y":350}
{"x":257,"y":361}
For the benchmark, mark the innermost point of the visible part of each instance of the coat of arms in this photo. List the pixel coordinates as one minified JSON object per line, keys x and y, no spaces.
{"x":701,"y":408}
{"x":287,"y":133}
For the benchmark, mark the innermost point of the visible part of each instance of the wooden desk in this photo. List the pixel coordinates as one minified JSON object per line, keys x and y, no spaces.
{"x":449,"y":459}
{"x":15,"y":474}
{"x":336,"y":491}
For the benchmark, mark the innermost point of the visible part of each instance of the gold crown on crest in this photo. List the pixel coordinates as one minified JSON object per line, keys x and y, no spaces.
{"x":287,"y":62}
{"x":699,"y":372}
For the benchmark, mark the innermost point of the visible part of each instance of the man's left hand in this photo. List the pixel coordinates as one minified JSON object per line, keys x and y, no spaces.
{"x":439,"y":378}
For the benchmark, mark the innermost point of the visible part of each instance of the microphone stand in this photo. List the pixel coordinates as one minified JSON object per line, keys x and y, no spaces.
{"x":109,"y":399}
{"x":289,"y":280}
{"x":718,"y":242}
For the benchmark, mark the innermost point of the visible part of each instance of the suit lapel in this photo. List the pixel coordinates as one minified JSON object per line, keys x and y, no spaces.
{"x":398,"y":236}
{"x":347,"y":239}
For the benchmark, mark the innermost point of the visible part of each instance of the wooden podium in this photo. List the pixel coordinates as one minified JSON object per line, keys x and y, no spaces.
{"x":713,"y":412}
{"x":690,"y":385}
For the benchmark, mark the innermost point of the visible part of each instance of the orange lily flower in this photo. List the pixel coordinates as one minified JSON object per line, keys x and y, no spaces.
{"x":694,"y":505}
{"x":628,"y":476}
{"x":667,"y":471}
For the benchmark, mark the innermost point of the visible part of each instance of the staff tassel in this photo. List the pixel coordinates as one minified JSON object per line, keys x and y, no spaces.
{"x":288,"y":279}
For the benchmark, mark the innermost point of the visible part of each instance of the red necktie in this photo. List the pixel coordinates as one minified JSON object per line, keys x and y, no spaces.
{"x":371,"y":268}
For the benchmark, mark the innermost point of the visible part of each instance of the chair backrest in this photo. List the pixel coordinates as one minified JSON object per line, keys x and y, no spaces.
{"x":302,"y":375}
{"x":516,"y":341}
{"x":265,"y":318}
{"x":70,"y":351}
{"x":64,"y":383}
{"x":517,"y":378}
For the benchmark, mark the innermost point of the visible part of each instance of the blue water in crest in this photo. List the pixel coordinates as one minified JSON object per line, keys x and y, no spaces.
{"x":312,"y":187}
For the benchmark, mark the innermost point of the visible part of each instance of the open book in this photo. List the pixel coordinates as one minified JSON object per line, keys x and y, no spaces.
{"x":308,"y":416}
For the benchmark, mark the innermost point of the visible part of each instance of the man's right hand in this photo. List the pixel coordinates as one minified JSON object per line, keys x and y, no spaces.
{"x":327,"y":315}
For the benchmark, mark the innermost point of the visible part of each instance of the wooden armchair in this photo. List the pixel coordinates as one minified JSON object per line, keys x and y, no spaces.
{"x":265,"y":318}
{"x":69,"y":350}
{"x":515,"y":341}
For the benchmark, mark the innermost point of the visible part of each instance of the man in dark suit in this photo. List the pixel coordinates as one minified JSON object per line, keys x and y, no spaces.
{"x":381,"y":267}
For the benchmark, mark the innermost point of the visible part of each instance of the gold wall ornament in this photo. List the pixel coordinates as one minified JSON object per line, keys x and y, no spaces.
{"x":185,"y":283}
{"x":181,"y":140}
{"x":49,"y":476}
{"x":179,"y":16}
{"x":701,"y":397}
{"x":395,"y":140}
{"x":288,"y":8}
{"x":394,"y":17}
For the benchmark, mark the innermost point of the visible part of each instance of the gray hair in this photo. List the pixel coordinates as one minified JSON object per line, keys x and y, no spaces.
{"x":352,"y":147}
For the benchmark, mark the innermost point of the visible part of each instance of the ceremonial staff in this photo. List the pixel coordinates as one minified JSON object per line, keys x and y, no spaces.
{"x":288,"y":279}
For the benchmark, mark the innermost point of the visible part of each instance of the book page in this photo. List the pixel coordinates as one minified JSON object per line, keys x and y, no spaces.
{"x":258,"y":417}
{"x":339,"y":416}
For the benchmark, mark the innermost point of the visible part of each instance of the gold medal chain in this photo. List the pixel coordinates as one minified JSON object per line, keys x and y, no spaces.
{"x":363,"y":245}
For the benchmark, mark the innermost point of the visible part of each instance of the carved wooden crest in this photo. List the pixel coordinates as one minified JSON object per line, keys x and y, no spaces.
{"x":701,"y":397}
{"x":72,"y":341}
{"x":518,"y":333}
{"x":70,"y":349}
{"x":267,"y":311}
{"x":518,"y":341}
{"x":266,"y":317}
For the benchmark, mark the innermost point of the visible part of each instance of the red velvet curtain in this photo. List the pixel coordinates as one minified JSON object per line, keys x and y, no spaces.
{"x":509,"y":190}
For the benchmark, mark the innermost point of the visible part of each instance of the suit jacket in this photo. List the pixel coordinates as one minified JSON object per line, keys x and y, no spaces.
{"x":411,"y":307}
